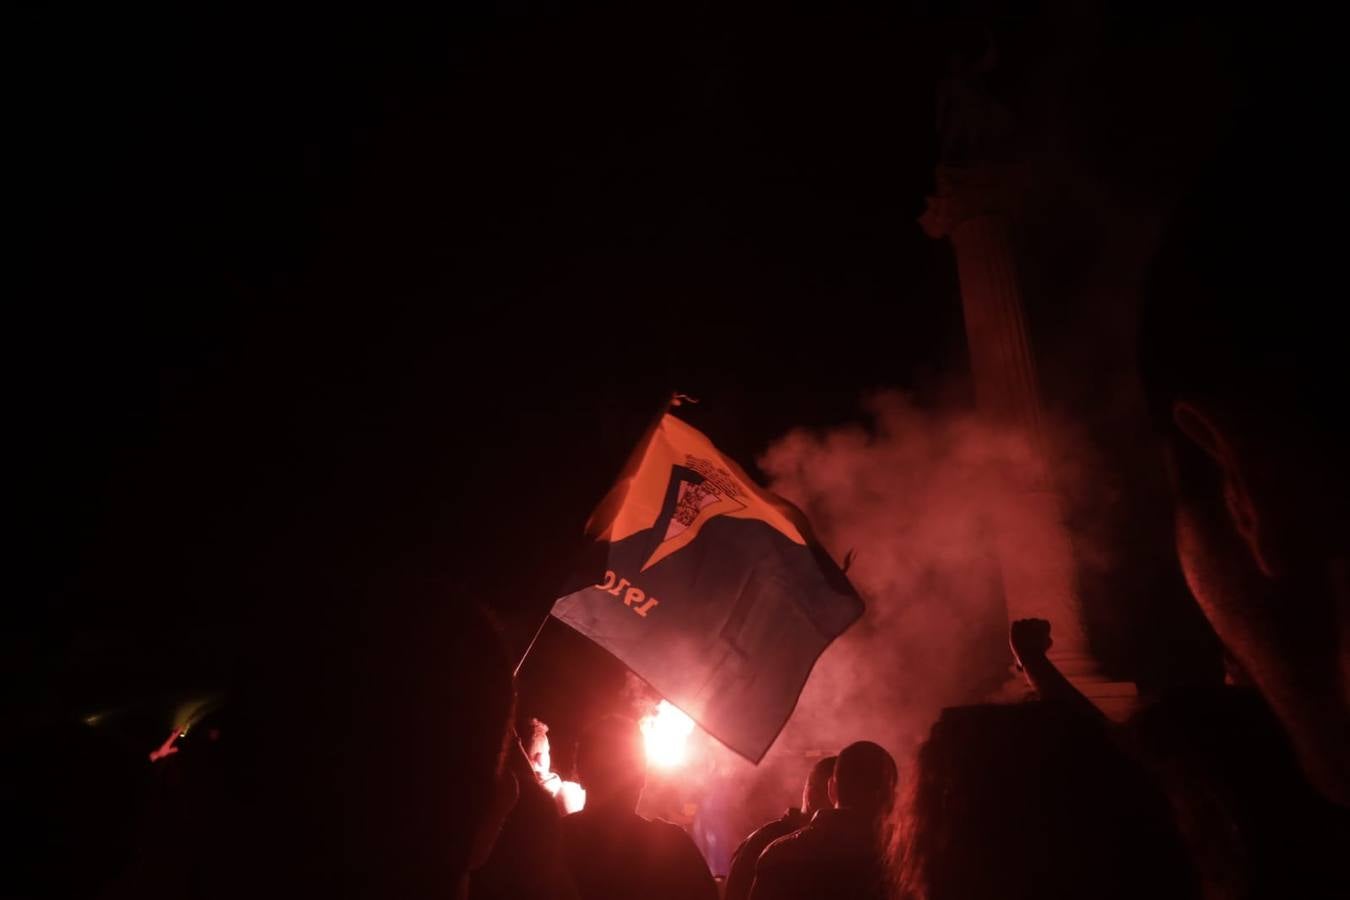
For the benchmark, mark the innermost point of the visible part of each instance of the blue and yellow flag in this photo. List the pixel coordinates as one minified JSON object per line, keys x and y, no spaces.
{"x":715,"y":592}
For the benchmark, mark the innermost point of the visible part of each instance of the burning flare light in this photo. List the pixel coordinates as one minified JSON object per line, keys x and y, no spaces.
{"x":666,"y":733}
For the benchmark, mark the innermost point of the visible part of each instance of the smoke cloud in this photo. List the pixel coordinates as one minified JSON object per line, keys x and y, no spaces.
{"x":911,"y":497}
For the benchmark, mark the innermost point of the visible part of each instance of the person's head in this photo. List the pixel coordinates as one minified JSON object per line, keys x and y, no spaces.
{"x":1242,"y":361}
{"x":1033,"y":800}
{"x":816,"y":791}
{"x":611,"y":763}
{"x":864,"y":779}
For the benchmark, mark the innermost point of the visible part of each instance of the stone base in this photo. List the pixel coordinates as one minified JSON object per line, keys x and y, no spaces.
{"x":1117,"y":700}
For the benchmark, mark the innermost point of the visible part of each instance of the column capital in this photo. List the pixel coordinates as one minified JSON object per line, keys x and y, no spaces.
{"x":971,"y":191}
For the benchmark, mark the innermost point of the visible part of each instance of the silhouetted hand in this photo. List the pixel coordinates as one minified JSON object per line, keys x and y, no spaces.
{"x":1029,"y":640}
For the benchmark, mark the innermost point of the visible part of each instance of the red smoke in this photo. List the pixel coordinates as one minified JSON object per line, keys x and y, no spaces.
{"x":913,"y":495}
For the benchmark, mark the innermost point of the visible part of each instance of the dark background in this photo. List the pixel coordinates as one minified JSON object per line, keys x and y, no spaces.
{"x":317,"y":296}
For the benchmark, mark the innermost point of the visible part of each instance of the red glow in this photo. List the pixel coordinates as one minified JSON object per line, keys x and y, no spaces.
{"x":167,"y":748}
{"x":666,"y":734}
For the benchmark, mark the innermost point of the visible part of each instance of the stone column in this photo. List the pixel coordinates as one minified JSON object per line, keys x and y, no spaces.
{"x":972,"y":208}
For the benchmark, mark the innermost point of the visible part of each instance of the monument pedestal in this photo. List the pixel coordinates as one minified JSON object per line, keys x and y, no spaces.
{"x":971,"y":209}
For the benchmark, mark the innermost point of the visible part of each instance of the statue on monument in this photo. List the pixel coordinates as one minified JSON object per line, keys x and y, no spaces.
{"x":974,"y":125}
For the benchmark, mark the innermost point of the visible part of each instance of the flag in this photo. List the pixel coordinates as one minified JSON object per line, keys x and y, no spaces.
{"x":714,"y":591}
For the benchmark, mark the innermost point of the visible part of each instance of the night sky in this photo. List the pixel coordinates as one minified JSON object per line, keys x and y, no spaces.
{"x":318,"y":296}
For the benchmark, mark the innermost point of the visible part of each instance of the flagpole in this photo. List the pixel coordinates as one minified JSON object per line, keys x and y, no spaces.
{"x":538,"y":631}
{"x":673,"y":399}
{"x":678,"y":399}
